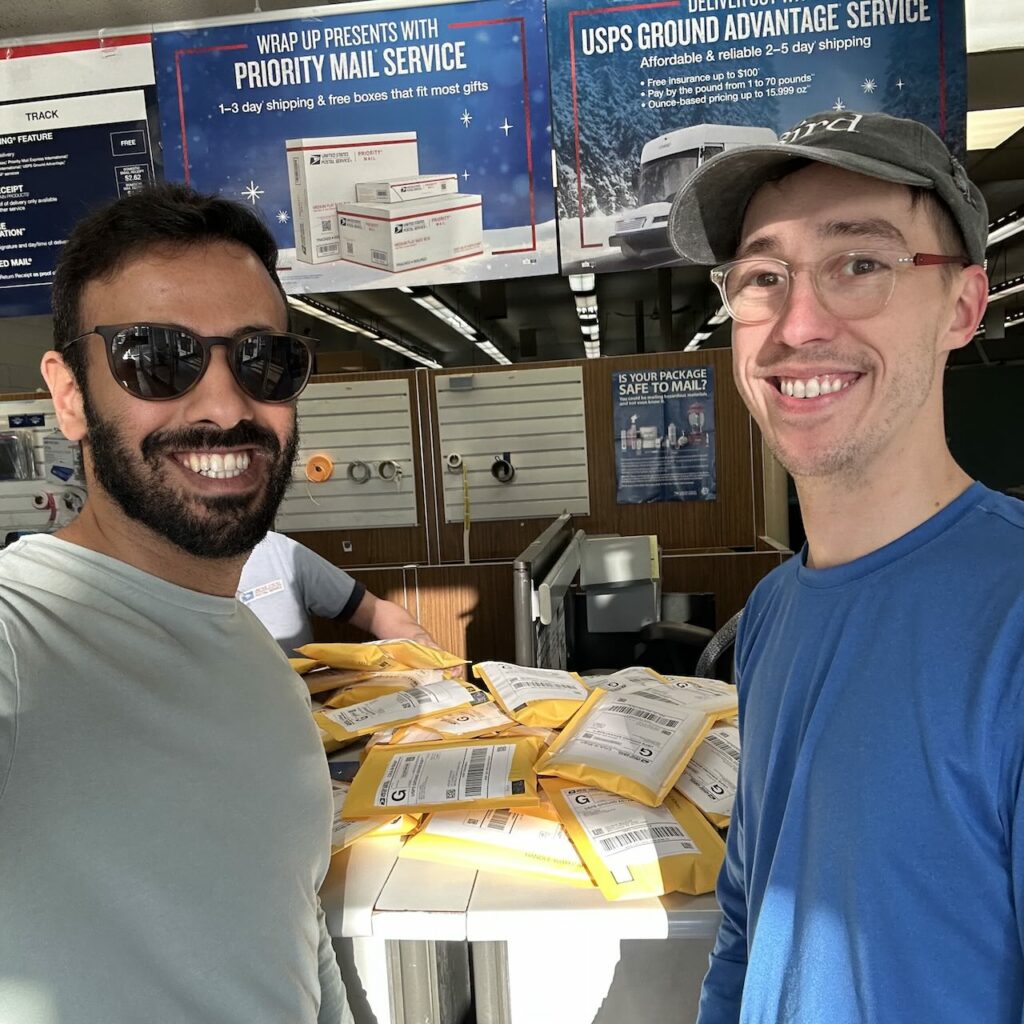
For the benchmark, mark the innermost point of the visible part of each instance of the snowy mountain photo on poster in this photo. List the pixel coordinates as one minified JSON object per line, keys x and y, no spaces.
{"x":642,"y":93}
{"x":429,"y":126}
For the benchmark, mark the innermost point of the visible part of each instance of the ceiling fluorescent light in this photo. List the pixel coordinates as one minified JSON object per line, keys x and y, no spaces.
{"x":719,"y":318}
{"x":1005,"y":289}
{"x":405,"y":288}
{"x":592,"y":349}
{"x":582,"y":282}
{"x":332,"y":316}
{"x":692,"y":346}
{"x":586,"y":305}
{"x":446,"y":314}
{"x":1003,"y":228}
{"x":494,"y":352}
{"x":409,"y":353}
{"x":307,"y":307}
{"x":591,"y":330}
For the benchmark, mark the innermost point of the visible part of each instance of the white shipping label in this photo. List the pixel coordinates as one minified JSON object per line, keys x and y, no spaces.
{"x":344,"y":832}
{"x":709,"y":780}
{"x":472,"y":719}
{"x":638,"y":734}
{"x":448,"y":775}
{"x":623,"y":831}
{"x":625,"y":680}
{"x":518,"y":686}
{"x":392,"y":707}
{"x":709,"y":695}
{"x":412,"y":676}
{"x":509,"y":830}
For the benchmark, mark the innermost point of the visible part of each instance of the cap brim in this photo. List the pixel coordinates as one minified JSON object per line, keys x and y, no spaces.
{"x":707,"y":213}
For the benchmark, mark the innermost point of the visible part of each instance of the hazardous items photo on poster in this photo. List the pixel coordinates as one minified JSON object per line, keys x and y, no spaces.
{"x":643,"y":94}
{"x":390,"y":146}
{"x":664,"y":431}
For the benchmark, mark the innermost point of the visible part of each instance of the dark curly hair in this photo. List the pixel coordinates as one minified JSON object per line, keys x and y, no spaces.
{"x":162,"y":214}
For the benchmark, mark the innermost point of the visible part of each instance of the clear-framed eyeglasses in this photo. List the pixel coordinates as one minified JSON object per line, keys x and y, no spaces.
{"x":850,"y":285}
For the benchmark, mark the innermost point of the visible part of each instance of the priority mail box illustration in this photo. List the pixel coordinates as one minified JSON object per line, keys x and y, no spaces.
{"x":416,"y":233}
{"x":400,"y":190}
{"x":323,"y":172}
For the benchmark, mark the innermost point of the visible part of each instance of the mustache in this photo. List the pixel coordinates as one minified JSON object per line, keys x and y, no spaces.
{"x":194,"y":439}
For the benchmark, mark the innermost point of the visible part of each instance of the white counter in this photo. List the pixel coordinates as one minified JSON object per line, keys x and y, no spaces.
{"x":373,"y":897}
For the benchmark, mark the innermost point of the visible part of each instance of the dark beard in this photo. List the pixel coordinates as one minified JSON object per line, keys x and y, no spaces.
{"x":233,"y":525}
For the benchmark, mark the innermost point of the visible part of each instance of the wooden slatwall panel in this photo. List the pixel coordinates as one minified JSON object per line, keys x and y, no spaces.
{"x":466,"y":608}
{"x":16,"y":511}
{"x":537,"y":417}
{"x":729,"y":575}
{"x":734,"y":520}
{"x":368,"y":421}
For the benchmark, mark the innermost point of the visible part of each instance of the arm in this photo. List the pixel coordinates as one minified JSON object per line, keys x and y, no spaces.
{"x":388,"y":621}
{"x":722,"y":990}
{"x":334,"y":1007}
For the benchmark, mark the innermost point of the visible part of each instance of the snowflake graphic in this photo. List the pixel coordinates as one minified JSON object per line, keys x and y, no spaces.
{"x":282,"y":217}
{"x":506,"y":127}
{"x":252,"y":193}
{"x":869,"y":85}
{"x":839,"y":104}
{"x":465,"y":118}
{"x":900,"y":83}
{"x":465,"y":175}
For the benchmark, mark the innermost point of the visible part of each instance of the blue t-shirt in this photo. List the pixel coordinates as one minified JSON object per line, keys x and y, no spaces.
{"x":283,"y":583}
{"x":875,"y":867}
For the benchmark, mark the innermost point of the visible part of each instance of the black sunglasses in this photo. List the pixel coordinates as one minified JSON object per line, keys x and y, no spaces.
{"x":161,"y":362}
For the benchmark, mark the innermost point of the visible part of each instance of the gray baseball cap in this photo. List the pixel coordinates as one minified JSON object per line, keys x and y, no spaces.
{"x":707,"y":213}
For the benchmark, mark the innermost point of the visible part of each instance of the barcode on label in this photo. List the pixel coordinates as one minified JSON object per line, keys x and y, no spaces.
{"x":349,"y":248}
{"x":475,"y":772}
{"x":642,"y":836}
{"x":499,"y":820}
{"x":326,"y":225}
{"x":378,"y":256}
{"x":540,"y":684}
{"x":420,"y":696}
{"x":326,"y":250}
{"x":722,"y":745}
{"x":647,"y":716}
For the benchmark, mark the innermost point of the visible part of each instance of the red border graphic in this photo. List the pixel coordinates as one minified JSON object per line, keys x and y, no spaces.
{"x":575,"y":101}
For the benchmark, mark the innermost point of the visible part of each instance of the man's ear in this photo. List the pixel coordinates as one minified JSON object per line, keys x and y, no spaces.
{"x":969,"y":308}
{"x":67,"y":398}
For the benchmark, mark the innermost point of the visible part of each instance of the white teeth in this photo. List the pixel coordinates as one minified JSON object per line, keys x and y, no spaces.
{"x":215,"y":466}
{"x":812,"y":387}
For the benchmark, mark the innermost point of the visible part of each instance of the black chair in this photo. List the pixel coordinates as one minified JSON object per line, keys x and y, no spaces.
{"x":716,"y":660}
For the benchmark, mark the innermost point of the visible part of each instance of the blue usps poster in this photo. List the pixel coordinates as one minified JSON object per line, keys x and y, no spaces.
{"x":386,"y":147}
{"x":74,"y":134}
{"x":643,"y":93}
{"x":664,"y":423}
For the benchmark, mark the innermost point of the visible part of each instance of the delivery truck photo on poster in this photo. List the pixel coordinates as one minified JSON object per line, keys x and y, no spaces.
{"x":644,"y":93}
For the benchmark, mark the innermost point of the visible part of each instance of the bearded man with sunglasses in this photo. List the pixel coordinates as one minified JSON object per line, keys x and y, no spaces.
{"x":165,"y":807}
{"x":875,"y":865}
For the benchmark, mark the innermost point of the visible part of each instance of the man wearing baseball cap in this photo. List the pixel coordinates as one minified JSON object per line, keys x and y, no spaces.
{"x":875,"y":868}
